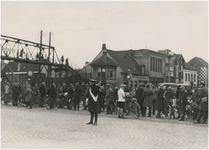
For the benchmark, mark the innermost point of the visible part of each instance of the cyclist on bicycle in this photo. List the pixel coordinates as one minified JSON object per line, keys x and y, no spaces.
{"x":62,"y":91}
{"x":52,"y":94}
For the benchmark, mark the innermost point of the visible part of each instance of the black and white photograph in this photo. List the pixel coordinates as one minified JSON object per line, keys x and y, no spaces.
{"x":104,"y":74}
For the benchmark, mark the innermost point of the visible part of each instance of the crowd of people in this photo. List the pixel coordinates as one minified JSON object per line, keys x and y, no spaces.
{"x":158,"y":100}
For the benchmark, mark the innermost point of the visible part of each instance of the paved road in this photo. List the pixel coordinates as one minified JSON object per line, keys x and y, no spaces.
{"x":61,"y":128}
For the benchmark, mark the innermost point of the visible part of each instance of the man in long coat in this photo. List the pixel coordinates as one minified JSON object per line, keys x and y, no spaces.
{"x":203,"y":97}
{"x":77,"y":95}
{"x":93,"y":102}
{"x":108,"y":98}
{"x":139,"y":97}
{"x":159,"y":106}
{"x":183,"y":102}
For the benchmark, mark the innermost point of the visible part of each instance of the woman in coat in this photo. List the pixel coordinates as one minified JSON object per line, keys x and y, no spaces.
{"x":147,"y":94}
{"x":140,"y":100}
{"x":28,"y":95}
{"x":159,"y":106}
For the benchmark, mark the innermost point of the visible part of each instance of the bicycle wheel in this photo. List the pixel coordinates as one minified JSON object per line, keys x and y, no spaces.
{"x":176,"y":113}
{"x":136,"y":110}
{"x":58,"y":100}
{"x":2,"y":99}
{"x":20,"y":102}
{"x":48,"y":102}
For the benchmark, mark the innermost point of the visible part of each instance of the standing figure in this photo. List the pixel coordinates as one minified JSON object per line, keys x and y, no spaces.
{"x":159,"y":106}
{"x":203,"y":98}
{"x":195,"y":103}
{"x":42,"y":93}
{"x":77,"y":95}
{"x":139,"y":94}
{"x":183,"y":102}
{"x":62,"y":91}
{"x":121,"y":101}
{"x":15,"y":94}
{"x":101,"y":98}
{"x":52,"y":94}
{"x":83,"y":89}
{"x":28,"y":95}
{"x":70,"y":92}
{"x":147,"y":95}
{"x":93,"y":103}
{"x":108,"y":98}
{"x":169,"y":96}
{"x":154,"y":90}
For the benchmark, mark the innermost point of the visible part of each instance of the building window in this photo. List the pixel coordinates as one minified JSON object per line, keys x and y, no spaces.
{"x":185,"y":76}
{"x":188,"y":77}
{"x":191,"y":77}
{"x":155,"y":64}
{"x":110,"y":73}
{"x":103,"y":72}
{"x":194,"y":77}
{"x":99,"y":72}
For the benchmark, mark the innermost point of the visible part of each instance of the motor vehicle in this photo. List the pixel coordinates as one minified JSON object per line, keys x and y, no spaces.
{"x":172,"y":85}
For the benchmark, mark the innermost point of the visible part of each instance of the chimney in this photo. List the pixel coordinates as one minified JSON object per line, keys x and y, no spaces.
{"x":103,"y":46}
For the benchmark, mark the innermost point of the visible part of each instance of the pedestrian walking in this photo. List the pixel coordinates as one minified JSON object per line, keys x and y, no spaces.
{"x":203,"y":98}
{"x":77,"y":95}
{"x":183,"y":103}
{"x":28,"y":95}
{"x":121,"y":101}
{"x":93,"y":103}
{"x":159,"y":106}
{"x":148,"y":97}
{"x":139,"y":97}
{"x":108,"y":98}
{"x":42,"y":94}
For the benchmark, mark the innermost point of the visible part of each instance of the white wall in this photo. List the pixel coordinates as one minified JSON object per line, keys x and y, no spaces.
{"x":189,"y":80}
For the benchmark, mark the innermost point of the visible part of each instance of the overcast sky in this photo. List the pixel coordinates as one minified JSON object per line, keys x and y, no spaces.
{"x":80,"y":28}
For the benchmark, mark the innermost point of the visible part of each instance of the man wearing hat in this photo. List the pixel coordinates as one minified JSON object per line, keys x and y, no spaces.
{"x":159,"y":106}
{"x":203,"y":98}
{"x":93,"y":102}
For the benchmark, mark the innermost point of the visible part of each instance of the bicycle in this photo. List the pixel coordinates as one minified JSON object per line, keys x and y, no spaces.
{"x":50,"y":103}
{"x":131,"y":106}
{"x":62,"y":101}
{"x":7,"y":99}
{"x":114,"y":107}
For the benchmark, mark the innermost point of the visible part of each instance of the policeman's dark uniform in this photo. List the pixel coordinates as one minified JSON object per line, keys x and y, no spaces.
{"x":93,"y":102}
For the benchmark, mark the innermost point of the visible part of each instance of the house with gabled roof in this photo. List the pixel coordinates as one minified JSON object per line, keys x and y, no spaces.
{"x":133,"y":66}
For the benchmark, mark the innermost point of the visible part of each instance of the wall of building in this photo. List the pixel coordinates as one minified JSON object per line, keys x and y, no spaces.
{"x":187,"y":80}
{"x":143,"y":57}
